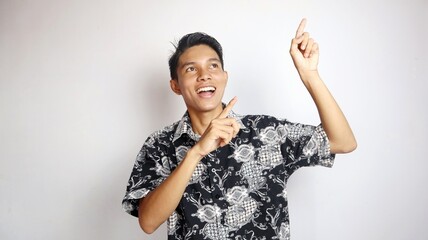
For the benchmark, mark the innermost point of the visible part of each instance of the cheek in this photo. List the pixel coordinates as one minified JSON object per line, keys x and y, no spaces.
{"x":186,"y":83}
{"x":186,"y":89}
{"x":223,"y":78}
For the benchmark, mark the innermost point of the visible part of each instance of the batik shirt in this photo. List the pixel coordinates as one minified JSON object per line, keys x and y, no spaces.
{"x":237,"y":191}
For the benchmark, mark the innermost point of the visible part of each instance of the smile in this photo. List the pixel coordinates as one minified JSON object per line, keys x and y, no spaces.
{"x":205,"y":89}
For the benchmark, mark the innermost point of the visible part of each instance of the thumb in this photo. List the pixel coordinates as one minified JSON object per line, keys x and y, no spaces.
{"x":294,"y":48}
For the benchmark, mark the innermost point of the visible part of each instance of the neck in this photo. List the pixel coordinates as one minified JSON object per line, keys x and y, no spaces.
{"x":201,"y":120}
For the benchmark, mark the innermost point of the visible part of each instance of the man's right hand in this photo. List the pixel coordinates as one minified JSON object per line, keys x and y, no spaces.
{"x":159,"y":204}
{"x":219,"y":133}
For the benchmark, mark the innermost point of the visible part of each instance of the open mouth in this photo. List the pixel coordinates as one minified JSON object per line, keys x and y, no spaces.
{"x":205,"y":90}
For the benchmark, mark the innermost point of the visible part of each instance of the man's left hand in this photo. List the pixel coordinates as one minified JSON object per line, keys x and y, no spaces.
{"x":304,"y":51}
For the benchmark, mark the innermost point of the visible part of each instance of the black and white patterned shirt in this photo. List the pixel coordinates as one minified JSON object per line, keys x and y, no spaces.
{"x":237,"y":191}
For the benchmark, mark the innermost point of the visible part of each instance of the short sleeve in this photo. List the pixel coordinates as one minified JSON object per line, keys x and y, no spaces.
{"x":306,"y":145}
{"x":151,"y":168}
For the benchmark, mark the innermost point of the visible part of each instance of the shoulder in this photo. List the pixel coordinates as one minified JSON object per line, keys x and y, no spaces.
{"x":164,"y":135}
{"x":262,"y":121}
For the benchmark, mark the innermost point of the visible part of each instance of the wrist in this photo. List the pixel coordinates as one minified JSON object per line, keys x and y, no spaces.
{"x":196,"y":153}
{"x":309,"y":76}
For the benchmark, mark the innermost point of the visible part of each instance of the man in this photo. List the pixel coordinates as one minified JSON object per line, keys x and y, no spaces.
{"x":218,"y":175}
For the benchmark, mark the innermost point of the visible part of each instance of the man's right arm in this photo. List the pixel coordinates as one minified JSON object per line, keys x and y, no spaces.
{"x":155,"y":208}
{"x":160,"y":203}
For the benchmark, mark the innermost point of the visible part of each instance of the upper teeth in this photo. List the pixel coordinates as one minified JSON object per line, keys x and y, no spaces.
{"x":205,"y":89}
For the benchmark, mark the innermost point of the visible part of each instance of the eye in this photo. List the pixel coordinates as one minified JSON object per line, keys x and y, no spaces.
{"x":214,"y":65}
{"x":190,"y":69}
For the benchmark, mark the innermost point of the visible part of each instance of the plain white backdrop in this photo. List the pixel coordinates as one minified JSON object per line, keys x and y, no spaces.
{"x":83,"y":83}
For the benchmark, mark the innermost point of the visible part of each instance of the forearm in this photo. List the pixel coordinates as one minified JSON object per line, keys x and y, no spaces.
{"x":160,"y":203}
{"x":333,"y":120}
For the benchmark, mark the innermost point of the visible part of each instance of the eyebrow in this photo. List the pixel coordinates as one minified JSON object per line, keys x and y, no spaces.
{"x":209,"y":60}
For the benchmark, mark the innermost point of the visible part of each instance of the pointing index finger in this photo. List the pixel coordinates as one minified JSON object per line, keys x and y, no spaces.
{"x":301,"y":28}
{"x":228,"y":108}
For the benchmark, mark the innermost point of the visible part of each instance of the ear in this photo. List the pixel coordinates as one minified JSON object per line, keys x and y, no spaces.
{"x":173,"y":83}
{"x":226,"y":76}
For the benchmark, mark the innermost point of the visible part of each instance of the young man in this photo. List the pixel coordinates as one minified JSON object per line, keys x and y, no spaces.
{"x":218,"y":175}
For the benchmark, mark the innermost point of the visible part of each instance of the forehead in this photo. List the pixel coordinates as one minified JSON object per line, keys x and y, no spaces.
{"x":198,"y":53}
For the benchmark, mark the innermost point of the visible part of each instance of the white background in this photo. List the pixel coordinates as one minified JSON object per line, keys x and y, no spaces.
{"x":83,"y":83}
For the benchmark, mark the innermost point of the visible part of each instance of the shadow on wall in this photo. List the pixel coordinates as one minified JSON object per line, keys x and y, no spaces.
{"x":161,"y":107}
{"x":103,"y":201}
{"x":96,"y":210}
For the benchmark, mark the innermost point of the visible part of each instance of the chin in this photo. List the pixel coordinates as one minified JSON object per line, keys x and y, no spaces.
{"x":208,"y":108}
{"x":205,"y":107}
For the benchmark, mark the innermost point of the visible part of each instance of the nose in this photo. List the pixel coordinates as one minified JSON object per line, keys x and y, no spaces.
{"x":204,"y":75}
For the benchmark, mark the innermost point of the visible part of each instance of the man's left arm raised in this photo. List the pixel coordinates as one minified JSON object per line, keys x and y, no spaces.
{"x":305,"y":54}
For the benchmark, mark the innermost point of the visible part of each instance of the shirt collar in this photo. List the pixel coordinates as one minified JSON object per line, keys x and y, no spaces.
{"x":185,"y":126}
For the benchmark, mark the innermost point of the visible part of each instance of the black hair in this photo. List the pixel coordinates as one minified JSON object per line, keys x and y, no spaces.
{"x":188,"y":41}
